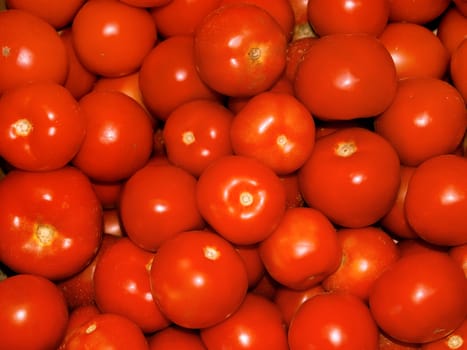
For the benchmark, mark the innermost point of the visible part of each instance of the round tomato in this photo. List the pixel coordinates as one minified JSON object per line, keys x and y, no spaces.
{"x":420,"y":12}
{"x":352,"y":176}
{"x":458,"y":68}
{"x":241,"y":198}
{"x":420,"y":298}
{"x":459,"y":254}
{"x":452,"y":28}
{"x":346,"y":76}
{"x":80,"y":315}
{"x":174,"y":337}
{"x":50,"y":222}
{"x":33,"y":313}
{"x":198,"y":279}
{"x":240,"y":49}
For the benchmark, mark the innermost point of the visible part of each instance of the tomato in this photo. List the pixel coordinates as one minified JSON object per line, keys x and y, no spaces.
{"x":339,"y":16}
{"x":50,"y":222}
{"x":119,"y":136}
{"x":352,"y":176}
{"x":203,"y":266}
{"x":415,"y":50}
{"x":239,"y":49}
{"x":61,"y":16}
{"x":455,"y":340}
{"x":461,"y":6}
{"x":426,"y":118}
{"x":31,"y":50}
{"x":174,"y":337}
{"x":240,"y":198}
{"x":108,"y":192}
{"x":420,"y":298}
{"x":257,"y":324}
{"x":333,"y":321}
{"x":168,"y":77}
{"x":196,"y":133}
{"x":420,"y":12}
{"x":80,"y":315}
{"x":303,"y":249}
{"x":366,"y":253}
{"x":346,"y":76}
{"x":253,"y":264}
{"x":106,"y":331}
{"x":112,"y":223}
{"x":296,"y":51}
{"x":459,"y":254}
{"x":276,"y":129}
{"x":458,"y":68}
{"x":146,"y":3}
{"x":158,"y":202}
{"x":436,"y":201}
{"x":112,"y":38}
{"x":302,"y":27}
{"x":452,"y":28}
{"x":387,"y":343}
{"x":292,"y":190}
{"x":42,"y":127}
{"x":33,"y":313}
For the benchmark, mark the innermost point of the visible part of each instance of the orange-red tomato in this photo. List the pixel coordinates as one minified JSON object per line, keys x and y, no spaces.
{"x":420,"y":12}
{"x":452,"y":28}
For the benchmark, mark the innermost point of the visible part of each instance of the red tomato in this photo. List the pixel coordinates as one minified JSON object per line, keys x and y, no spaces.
{"x":352,"y":176}
{"x":112,"y":223}
{"x":276,"y":129}
{"x":346,"y":76}
{"x":296,"y":51}
{"x":112,"y":38}
{"x":240,"y":49}
{"x":50,"y":222}
{"x":240,"y":198}
{"x":146,"y":3}
{"x":456,"y":340}
{"x":256,"y":324}
{"x":292,"y":190}
{"x":108,"y":192}
{"x":253,"y":264}
{"x":452,"y":28}
{"x":366,"y":253}
{"x":415,"y":50}
{"x":42,"y":127}
{"x":458,"y":68}
{"x":174,"y":337}
{"x":461,"y":5}
{"x":436,"y":200}
{"x":198,"y":279}
{"x":387,"y":343}
{"x":119,"y":136}
{"x":196,"y":133}
{"x":344,"y":16}
{"x":333,"y":321}
{"x":426,"y":118}
{"x":302,"y":27}
{"x":33,"y":313}
{"x":31,"y":50}
{"x":80,"y":315}
{"x":168,"y":77}
{"x":106,"y":331}
{"x":303,"y":249}
{"x":158,"y":202}
{"x":420,"y":298}
{"x":420,"y":12}
{"x":459,"y":254}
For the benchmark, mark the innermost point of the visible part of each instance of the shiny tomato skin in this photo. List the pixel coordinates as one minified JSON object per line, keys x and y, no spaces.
{"x":240,"y":49}
{"x":303,"y":249}
{"x":459,"y":254}
{"x":436,"y":201}
{"x":426,"y":118}
{"x":157,"y":202}
{"x":33,"y":313}
{"x":333,"y":321}
{"x":31,"y":50}
{"x":80,"y":315}
{"x":256,"y":324}
{"x":420,"y":12}
{"x":240,"y":198}
{"x":276,"y":129}
{"x":346,"y":76}
{"x":203,"y":266}
{"x":352,"y":176}
{"x":173,"y":337}
{"x":452,"y":28}
{"x":42,"y":126}
{"x":51,"y":222}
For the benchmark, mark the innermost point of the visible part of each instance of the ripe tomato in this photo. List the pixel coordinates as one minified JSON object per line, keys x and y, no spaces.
{"x":426,"y":118}
{"x":276,"y":129}
{"x":420,"y":298}
{"x":240,"y":198}
{"x":452,"y":28}
{"x":256,"y":324}
{"x":346,"y":76}
{"x":31,"y":50}
{"x":158,"y":202}
{"x":196,"y":133}
{"x":387,"y":343}
{"x":80,"y":315}
{"x":296,"y":51}
{"x":459,"y":254}
{"x":198,"y":279}
{"x":42,"y":127}
{"x":240,"y":49}
{"x":458,"y":68}
{"x":355,"y":16}
{"x":420,"y":12}
{"x":292,"y":190}
{"x":333,"y":321}
{"x":352,"y":176}
{"x":253,"y":264}
{"x":174,"y":337}
{"x":50,"y":222}
{"x":453,"y":341}
{"x":112,"y":38}
{"x":119,"y":136}
{"x":33,"y":313}
{"x":366,"y":253}
{"x":436,"y":200}
{"x":415,"y":50}
{"x":302,"y":250}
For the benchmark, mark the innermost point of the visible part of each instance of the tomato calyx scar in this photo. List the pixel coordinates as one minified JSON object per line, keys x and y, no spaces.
{"x":455,"y":341}
{"x":44,"y":234}
{"x":188,"y":137}
{"x":254,"y":53}
{"x":246,"y":199}
{"x":211,"y":253}
{"x":6,"y":50}
{"x":345,"y":149}
{"x":22,"y":127}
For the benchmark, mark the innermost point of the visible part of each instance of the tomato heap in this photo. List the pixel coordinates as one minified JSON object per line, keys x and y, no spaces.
{"x":233,"y":174}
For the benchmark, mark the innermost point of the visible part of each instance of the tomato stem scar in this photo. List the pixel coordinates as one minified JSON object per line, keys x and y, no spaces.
{"x":455,"y":341}
{"x":346,"y":149}
{"x":211,"y":253}
{"x":22,"y":127}
{"x":246,"y":198}
{"x":188,"y":137}
{"x":254,"y":53}
{"x":45,"y":234}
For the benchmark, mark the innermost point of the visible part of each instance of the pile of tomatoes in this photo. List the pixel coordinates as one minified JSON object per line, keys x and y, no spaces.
{"x":233,"y":174}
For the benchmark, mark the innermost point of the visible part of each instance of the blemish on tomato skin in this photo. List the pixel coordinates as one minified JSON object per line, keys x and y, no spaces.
{"x":6,"y":51}
{"x":211,"y":253}
{"x":345,"y":149}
